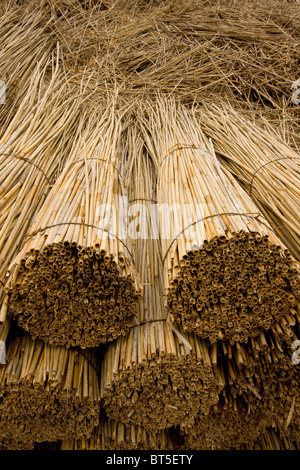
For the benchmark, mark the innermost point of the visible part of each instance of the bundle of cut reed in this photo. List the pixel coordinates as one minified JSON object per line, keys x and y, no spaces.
{"x":10,"y":444}
{"x":271,"y":439}
{"x":226,"y":274}
{"x":277,"y":382}
{"x":74,"y":282}
{"x":266,"y":167}
{"x":229,"y":423}
{"x":111,"y":435}
{"x":260,"y":389}
{"x":271,"y":382}
{"x":156,"y":376}
{"x":33,"y":149}
{"x":47,"y":392}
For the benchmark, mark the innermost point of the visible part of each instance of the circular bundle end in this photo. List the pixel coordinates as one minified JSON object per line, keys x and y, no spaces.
{"x":224,"y":428}
{"x":233,"y":288}
{"x":47,"y":392}
{"x":74,"y":297}
{"x":161,"y":391}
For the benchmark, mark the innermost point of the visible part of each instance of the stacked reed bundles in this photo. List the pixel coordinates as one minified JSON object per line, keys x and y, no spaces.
{"x":33,"y":149}
{"x":47,"y":392}
{"x":228,"y":424}
{"x":111,"y":435}
{"x":74,"y":282}
{"x":260,"y":390}
{"x":226,"y":274}
{"x":265,"y":166}
{"x":156,"y":376}
{"x":271,"y":439}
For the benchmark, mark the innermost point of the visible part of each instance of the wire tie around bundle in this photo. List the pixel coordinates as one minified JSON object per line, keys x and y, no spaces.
{"x":252,"y":215}
{"x":101,"y":160}
{"x":179,"y":146}
{"x":265,"y":164}
{"x":27,"y":161}
{"x":35,"y":232}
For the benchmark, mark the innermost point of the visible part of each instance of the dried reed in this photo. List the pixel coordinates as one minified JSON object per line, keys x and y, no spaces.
{"x":264,"y":165}
{"x":157,"y":376}
{"x":226,"y":274}
{"x":33,"y":149}
{"x":74,"y":282}
{"x":47,"y":392}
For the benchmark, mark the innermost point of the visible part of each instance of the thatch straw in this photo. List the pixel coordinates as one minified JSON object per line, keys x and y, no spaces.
{"x":46,"y":392}
{"x":74,"y":280}
{"x":26,"y":41}
{"x":264,"y":165}
{"x":226,"y":274}
{"x":157,"y":376}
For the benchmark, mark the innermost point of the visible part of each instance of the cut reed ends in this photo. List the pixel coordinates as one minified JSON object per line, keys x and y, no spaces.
{"x":74,"y":283}
{"x":47,"y":392}
{"x":226,"y":274}
{"x":271,"y":439}
{"x":265,"y":166}
{"x":157,"y":376}
{"x":151,"y":379}
{"x":111,"y":435}
{"x":261,"y":390}
{"x":227,"y":425}
{"x":12,"y":444}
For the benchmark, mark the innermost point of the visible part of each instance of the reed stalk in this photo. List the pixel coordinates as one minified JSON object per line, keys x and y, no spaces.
{"x":226,"y":274}
{"x":40,"y":397}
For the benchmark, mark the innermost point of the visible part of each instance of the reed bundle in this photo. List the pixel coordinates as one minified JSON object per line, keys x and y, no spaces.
{"x":227,"y":425}
{"x":111,"y":435}
{"x":260,"y":390}
{"x":261,"y":372}
{"x":8,"y":444}
{"x":226,"y":275}
{"x":75,"y":282}
{"x":33,"y":149}
{"x":271,"y":439}
{"x":157,"y":376}
{"x":266,"y":167}
{"x":277,"y":382}
{"x":47,"y":392}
